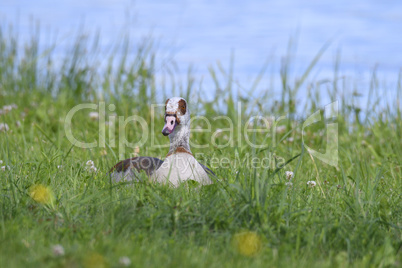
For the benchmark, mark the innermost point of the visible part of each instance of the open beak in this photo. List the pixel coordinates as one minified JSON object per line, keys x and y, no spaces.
{"x":170,"y":124}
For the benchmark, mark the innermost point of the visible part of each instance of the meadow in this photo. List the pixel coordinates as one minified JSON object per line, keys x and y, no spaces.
{"x":58,"y":210}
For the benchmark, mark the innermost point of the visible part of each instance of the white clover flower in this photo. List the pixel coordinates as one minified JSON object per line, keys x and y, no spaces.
{"x":289,"y":175}
{"x":7,"y":108}
{"x":311,"y":184}
{"x":124,"y":261}
{"x":59,"y":166}
{"x":3,"y":168}
{"x":218,"y":132}
{"x":94,"y":115}
{"x":4,"y":127}
{"x":1,"y":162}
{"x":321,"y":133}
{"x":58,"y":250}
{"x":290,"y":139}
{"x":90,"y":166}
{"x":18,"y":123}
{"x":289,"y":184}
{"x":270,"y":119}
{"x":90,"y":163}
{"x":280,"y":129}
{"x":92,"y":169}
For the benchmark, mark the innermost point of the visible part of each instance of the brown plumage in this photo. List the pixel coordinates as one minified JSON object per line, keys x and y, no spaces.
{"x":146,"y":163}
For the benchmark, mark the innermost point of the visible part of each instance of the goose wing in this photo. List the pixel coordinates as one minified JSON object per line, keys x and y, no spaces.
{"x":207,"y":170}
{"x":142,"y":163}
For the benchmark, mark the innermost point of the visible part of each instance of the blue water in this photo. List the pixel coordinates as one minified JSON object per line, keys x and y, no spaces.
{"x":200,"y":33}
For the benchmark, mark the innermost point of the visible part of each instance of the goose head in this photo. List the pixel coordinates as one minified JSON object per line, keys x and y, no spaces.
{"x":177,"y":116}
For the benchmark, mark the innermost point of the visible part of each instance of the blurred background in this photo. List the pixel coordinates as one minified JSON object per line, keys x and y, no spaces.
{"x":248,"y":40}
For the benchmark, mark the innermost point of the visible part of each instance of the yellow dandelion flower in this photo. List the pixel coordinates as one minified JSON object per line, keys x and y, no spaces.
{"x":41,"y":194}
{"x":247,"y":243}
{"x":95,"y":260}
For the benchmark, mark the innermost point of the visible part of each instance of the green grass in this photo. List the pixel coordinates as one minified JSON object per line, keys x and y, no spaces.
{"x":353,"y":217}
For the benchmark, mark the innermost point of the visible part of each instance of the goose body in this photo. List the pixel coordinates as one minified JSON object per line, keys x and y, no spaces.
{"x":179,"y":165}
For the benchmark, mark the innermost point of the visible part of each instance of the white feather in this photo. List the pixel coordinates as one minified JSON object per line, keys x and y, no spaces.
{"x":181,"y":167}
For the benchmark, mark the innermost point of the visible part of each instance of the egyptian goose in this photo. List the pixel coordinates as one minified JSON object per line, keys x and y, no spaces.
{"x":179,"y":164}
